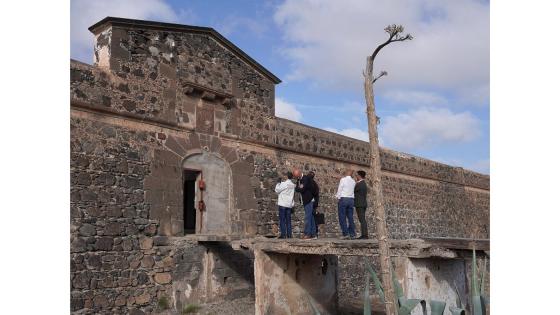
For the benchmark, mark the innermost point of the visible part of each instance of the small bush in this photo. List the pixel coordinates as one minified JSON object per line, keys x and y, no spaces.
{"x":163,"y":303}
{"x":191,"y":309}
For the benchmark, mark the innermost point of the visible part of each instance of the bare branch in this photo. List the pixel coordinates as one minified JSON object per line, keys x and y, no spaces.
{"x":394,"y":32}
{"x":383,"y":73}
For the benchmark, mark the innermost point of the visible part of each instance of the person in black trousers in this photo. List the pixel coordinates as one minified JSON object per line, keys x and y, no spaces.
{"x":360,"y":202}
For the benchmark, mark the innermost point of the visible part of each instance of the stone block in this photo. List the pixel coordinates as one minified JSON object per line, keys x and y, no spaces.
{"x":205,"y":120}
{"x":87,"y":230}
{"x":143,"y":299}
{"x":113,"y":228}
{"x":146,"y":243}
{"x":215,"y":144}
{"x":174,"y":146}
{"x":162,"y":278}
{"x":101,"y":301}
{"x":104,"y":244}
{"x":161,"y":240}
{"x":147,"y":262}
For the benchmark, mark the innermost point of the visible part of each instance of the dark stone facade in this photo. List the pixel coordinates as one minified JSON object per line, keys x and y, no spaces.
{"x":159,"y":94}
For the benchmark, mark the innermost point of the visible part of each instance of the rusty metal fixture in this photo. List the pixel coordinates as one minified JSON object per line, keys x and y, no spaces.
{"x":201,"y":185}
{"x":201,"y":204}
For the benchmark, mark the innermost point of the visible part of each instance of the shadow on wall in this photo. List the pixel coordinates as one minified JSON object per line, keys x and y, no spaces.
{"x":241,"y":262}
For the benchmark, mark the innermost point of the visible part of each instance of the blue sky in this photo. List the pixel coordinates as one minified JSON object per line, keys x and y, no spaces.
{"x":434,"y":103}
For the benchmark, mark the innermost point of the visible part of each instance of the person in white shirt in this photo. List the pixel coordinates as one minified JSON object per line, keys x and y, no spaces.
{"x":345,"y":196}
{"x":285,"y":190}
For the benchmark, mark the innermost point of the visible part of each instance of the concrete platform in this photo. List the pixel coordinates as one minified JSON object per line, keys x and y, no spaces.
{"x":413,"y":248}
{"x":202,"y":238}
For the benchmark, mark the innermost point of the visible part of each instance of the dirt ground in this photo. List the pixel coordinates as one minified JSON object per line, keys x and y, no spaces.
{"x":241,"y":306}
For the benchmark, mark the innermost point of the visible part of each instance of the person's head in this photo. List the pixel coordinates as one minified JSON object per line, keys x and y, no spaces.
{"x":348,"y":172}
{"x":297,"y":173}
{"x":311,"y":174}
{"x":361,"y":174}
{"x":288,"y":175}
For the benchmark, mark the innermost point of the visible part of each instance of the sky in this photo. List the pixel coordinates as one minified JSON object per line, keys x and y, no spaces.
{"x":433,"y":103}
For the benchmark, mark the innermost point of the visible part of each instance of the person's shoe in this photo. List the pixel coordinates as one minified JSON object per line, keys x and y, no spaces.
{"x":353,"y":237}
{"x":315,"y":237}
{"x":344,"y":237}
{"x":363,"y":237}
{"x":307,"y":237}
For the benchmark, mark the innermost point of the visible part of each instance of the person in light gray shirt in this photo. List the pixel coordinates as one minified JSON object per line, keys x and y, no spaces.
{"x":345,"y":196}
{"x":285,"y":189}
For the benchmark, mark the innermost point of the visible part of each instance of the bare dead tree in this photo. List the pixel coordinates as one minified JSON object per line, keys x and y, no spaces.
{"x":395,"y":35}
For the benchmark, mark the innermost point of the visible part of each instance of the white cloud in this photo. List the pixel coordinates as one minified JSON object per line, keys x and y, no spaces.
{"x":84,"y":13}
{"x":328,"y":41}
{"x":287,"y":110}
{"x":424,"y":128}
{"x":352,"y":133}
{"x":415,"y":98}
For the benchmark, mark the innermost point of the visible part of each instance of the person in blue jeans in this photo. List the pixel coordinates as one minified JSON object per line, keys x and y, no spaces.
{"x":285,"y":190}
{"x":306,"y":187}
{"x":345,"y":196}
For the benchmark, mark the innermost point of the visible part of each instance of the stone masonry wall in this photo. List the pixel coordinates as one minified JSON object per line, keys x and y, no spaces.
{"x":123,"y":256}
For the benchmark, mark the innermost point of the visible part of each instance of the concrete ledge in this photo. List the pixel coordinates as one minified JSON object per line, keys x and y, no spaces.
{"x":201,"y":238}
{"x":414,"y":248}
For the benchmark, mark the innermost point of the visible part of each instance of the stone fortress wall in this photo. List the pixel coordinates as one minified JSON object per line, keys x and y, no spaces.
{"x":159,"y":94}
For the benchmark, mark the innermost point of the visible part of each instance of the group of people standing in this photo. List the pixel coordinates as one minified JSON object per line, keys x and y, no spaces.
{"x":351,"y":193}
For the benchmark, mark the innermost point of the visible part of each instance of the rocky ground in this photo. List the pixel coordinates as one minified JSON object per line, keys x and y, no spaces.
{"x":241,"y":306}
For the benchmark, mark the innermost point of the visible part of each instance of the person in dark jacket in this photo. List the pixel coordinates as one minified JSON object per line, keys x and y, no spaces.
{"x":360,"y":202}
{"x":315,"y":192}
{"x":305,"y":186}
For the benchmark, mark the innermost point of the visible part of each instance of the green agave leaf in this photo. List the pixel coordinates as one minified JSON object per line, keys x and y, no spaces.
{"x":410,"y":304}
{"x":474,"y":276}
{"x":478,"y":309}
{"x":437,"y":307}
{"x":401,"y":300}
{"x":456,"y":311}
{"x":483,"y":276}
{"x":398,"y":288}
{"x":367,"y":302}
{"x":376,"y":282}
{"x":315,"y":309}
{"x":483,"y":302}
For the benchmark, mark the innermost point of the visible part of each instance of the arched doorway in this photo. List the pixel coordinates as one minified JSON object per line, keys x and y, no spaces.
{"x":216,"y":174}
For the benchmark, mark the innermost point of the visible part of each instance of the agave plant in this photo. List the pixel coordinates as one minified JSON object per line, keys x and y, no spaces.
{"x":479,"y":300}
{"x":458,"y":309}
{"x":405,"y":306}
{"x":437,"y":307}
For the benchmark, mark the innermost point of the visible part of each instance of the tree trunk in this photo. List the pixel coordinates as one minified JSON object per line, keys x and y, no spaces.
{"x":378,"y":207}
